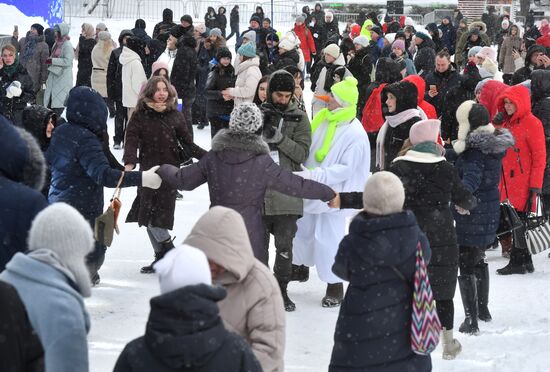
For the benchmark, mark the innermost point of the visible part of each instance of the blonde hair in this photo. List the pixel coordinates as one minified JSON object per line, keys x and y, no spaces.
{"x":407,"y":145}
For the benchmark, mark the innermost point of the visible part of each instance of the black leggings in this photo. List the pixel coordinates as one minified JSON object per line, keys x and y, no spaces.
{"x":446,"y":313}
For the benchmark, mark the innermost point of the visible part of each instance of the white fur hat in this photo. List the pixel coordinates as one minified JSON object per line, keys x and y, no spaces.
{"x":286,"y":44}
{"x":384,"y":194}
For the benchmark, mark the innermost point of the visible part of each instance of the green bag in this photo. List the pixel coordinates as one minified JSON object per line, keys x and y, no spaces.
{"x":106,"y":224}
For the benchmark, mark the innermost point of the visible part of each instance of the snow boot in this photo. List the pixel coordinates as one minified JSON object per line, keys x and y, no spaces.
{"x":482,"y":284}
{"x":468,"y":292}
{"x":289,"y":305}
{"x":300,"y":273}
{"x":529,"y":263}
{"x":451,"y":346}
{"x":516,"y":264}
{"x":334,"y":295}
{"x":165,"y":246}
{"x":506,"y":245}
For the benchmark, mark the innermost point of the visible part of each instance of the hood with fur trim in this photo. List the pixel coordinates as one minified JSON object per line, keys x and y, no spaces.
{"x":471,"y":116}
{"x":478,"y":24}
{"x":247,"y":143}
{"x":495,"y":142}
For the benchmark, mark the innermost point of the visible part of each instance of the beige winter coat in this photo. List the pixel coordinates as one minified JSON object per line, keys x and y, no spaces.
{"x":248,"y":76}
{"x":100,"y":62}
{"x":506,"y":59}
{"x":254,"y":306}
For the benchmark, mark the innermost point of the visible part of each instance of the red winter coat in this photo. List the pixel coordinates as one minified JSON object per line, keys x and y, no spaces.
{"x":489,"y":96}
{"x":524,"y":163}
{"x":427,"y":107}
{"x":306,"y":41}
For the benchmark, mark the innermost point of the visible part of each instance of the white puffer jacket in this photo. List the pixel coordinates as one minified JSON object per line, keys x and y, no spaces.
{"x":248,"y":76}
{"x":133,"y":77}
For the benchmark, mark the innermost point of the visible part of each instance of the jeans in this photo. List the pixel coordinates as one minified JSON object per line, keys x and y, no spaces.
{"x":157,"y":235}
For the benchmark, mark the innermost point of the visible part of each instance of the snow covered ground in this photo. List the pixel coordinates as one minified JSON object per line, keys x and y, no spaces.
{"x":516,"y":340}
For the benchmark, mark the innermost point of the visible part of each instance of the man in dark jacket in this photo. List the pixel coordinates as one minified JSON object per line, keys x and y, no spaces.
{"x":210,"y":18}
{"x":114,"y":88}
{"x":448,"y":39}
{"x":234,"y":22}
{"x":433,"y":30}
{"x":21,"y":179}
{"x":166,"y":24}
{"x":222,"y":20}
{"x":288,"y":132}
{"x":139,"y":31}
{"x":319,"y":13}
{"x":536,"y":59}
{"x":440,"y":81}
{"x":184,"y":331}
{"x":424,"y":60}
{"x":79,"y":167}
{"x":184,"y":72}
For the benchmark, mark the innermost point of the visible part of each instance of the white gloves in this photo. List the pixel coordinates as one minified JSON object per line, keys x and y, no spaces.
{"x":14,"y":89}
{"x":150,"y":178}
{"x":304,"y":173}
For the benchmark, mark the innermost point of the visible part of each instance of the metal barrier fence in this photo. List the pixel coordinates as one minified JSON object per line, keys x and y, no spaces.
{"x":344,"y":17}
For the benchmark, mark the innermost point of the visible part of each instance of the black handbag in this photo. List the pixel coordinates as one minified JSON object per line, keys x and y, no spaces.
{"x":509,"y":218}
{"x":184,"y":152}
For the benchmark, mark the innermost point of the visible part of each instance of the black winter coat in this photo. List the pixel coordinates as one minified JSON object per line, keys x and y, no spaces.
{"x":524,"y":73}
{"x":20,"y":182}
{"x":424,"y":60}
{"x":540,"y":95}
{"x":114,"y":76}
{"x":155,"y":135}
{"x":219,"y":79}
{"x":184,"y":70}
{"x":12,"y":108}
{"x":204,"y":56}
{"x":429,"y":190}
{"x":289,"y":58}
{"x":234,"y":17}
{"x":210,"y":19}
{"x":185,"y":333}
{"x":360,"y":67}
{"x":330,"y":33}
{"x":444,"y":82}
{"x":20,"y":349}
{"x":479,"y":167}
{"x":239,"y":170}
{"x":374,"y":324}
{"x":85,"y":65}
{"x":222,"y":20}
{"x":166,"y":24}
{"x":449,"y":36}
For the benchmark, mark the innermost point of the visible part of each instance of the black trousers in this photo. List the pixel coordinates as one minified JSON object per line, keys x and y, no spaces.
{"x":446,"y":313}
{"x":283,"y":228}
{"x":470,"y":258}
{"x":187,"y":110}
{"x":234,"y":31}
{"x":95,"y":259}
{"x":121,"y":120}
{"x":217,"y":124}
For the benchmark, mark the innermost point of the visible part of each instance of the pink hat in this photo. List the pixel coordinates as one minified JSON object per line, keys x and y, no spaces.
{"x":398,"y":44}
{"x":487,"y":52}
{"x":158,"y":65}
{"x":425,"y":131}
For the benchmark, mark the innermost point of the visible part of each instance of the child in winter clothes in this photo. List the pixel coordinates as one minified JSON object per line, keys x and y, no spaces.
{"x":220,"y":78}
{"x":382,"y":241}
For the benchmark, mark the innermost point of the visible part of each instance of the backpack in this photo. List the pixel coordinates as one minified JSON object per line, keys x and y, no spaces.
{"x":372,"y":118}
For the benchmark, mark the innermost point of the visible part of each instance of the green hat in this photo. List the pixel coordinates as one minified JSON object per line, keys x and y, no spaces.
{"x":345,"y":92}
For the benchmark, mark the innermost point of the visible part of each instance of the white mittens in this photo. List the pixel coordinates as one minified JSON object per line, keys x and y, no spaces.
{"x":14,"y":89}
{"x":150,"y":178}
{"x":304,"y":173}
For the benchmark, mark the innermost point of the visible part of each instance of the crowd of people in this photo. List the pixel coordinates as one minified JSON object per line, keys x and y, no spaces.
{"x":424,"y":131}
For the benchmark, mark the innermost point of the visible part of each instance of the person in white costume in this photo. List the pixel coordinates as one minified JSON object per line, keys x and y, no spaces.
{"x":340,"y":158}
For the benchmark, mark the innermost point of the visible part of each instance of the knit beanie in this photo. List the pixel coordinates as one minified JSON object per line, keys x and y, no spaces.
{"x":61,"y":229}
{"x":101,"y":26}
{"x":332,"y":50}
{"x":215,"y":32}
{"x":39,"y":28}
{"x":383,"y":194}
{"x":424,"y":36}
{"x":300,"y":19}
{"x":177,"y":31}
{"x":245,"y":118}
{"x":250,"y":35}
{"x":104,"y":35}
{"x":398,"y":44}
{"x":487,"y":52}
{"x":271,"y":37}
{"x":390,"y":37}
{"x":281,"y":81}
{"x":505,"y":24}
{"x":224,"y":53}
{"x":424,"y":131}
{"x":329,"y":15}
{"x":286,"y":44}
{"x":247,"y":50}
{"x":474,"y":51}
{"x":361,"y":40}
{"x":201,"y":28}
{"x":158,"y":65}
{"x":470,"y":117}
{"x":345,"y":92}
{"x":182,"y":266}
{"x":256,"y":19}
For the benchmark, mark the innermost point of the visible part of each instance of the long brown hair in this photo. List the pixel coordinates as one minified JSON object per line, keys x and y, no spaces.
{"x":149,"y":90}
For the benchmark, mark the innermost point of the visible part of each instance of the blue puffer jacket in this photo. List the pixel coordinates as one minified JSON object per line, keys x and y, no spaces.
{"x":479,"y":167}
{"x":373,"y":328}
{"x":22,"y":172}
{"x":78,"y":164}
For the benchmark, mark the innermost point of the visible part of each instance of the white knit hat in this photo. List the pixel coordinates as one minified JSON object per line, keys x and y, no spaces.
{"x":182,"y":266}
{"x":286,"y":44}
{"x":332,"y":50}
{"x":487,"y":52}
{"x":384,"y":194}
{"x":61,"y":229}
{"x":361,"y":40}
{"x":245,"y":118}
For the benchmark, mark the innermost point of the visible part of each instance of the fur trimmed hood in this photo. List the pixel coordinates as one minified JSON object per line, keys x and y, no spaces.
{"x":242,"y":142}
{"x":471,"y":116}
{"x":495,"y":142}
{"x":478,"y":24}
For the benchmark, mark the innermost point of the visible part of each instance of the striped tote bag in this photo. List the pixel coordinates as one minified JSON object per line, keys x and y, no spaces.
{"x":425,"y":324}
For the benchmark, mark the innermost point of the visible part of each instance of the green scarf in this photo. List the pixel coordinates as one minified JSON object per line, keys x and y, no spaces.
{"x":334,"y":118}
{"x":429,"y":147}
{"x":10,"y":70}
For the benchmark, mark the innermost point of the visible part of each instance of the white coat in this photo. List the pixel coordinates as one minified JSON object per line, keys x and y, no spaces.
{"x":345,"y":169}
{"x":248,"y":76}
{"x":133,"y":77}
{"x":168,"y":57}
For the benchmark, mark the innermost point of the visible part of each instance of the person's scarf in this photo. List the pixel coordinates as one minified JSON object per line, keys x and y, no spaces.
{"x":58,"y":46}
{"x":333,"y":118}
{"x":425,"y":153}
{"x":391,"y":121}
{"x":30,"y":46}
{"x":11,"y":69}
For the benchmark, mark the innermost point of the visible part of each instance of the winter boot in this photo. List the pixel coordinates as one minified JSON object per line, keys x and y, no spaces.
{"x":482,"y":284}
{"x":165,"y":246}
{"x":529,"y":262}
{"x":451,"y":346}
{"x":334,"y":295}
{"x":506,"y":245}
{"x":300,"y":273}
{"x":289,"y":305}
{"x":468,"y":292}
{"x":516,"y":264}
